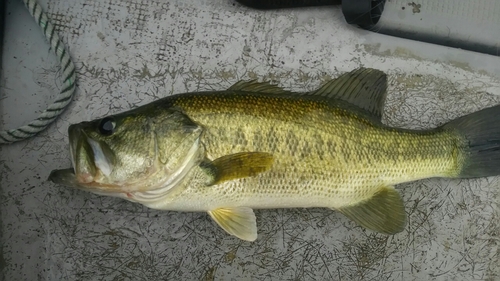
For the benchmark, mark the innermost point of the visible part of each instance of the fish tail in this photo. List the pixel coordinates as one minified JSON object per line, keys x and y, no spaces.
{"x":481,"y":134}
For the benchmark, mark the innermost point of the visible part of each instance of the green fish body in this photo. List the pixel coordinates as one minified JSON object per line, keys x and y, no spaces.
{"x":256,"y":146}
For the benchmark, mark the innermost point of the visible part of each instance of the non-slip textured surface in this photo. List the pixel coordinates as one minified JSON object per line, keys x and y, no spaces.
{"x":131,"y":52}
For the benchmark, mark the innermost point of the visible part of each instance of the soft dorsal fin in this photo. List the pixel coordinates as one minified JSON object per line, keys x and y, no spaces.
{"x":365,"y":88}
{"x":260,"y":87}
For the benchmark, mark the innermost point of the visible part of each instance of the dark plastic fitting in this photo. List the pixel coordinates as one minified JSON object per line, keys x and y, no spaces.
{"x":280,"y":4}
{"x":364,"y":13}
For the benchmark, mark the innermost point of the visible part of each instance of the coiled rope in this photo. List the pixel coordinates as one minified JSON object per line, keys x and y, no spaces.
{"x":69,"y":82}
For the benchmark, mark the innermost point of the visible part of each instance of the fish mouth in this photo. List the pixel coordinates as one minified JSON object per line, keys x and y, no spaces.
{"x":85,"y":153}
{"x":90,"y":158}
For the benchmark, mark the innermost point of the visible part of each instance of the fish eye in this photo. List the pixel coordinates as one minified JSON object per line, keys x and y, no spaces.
{"x":107,"y":126}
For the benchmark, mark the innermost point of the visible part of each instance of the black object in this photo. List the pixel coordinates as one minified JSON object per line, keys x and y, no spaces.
{"x":364,"y":13}
{"x":280,"y":4}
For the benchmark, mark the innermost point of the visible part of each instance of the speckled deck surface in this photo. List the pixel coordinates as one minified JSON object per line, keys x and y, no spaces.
{"x":131,"y":52}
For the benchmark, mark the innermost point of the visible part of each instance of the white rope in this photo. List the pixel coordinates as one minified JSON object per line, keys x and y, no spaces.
{"x":69,"y":80}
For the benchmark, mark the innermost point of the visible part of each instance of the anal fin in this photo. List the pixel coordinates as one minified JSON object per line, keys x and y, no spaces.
{"x":239,"y":221}
{"x":384,"y":212}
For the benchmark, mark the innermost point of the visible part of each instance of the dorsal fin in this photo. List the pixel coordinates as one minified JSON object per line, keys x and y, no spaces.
{"x":365,"y":88}
{"x":261,"y":87}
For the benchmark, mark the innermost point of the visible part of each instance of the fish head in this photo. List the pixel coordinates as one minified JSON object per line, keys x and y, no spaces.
{"x":139,"y":152}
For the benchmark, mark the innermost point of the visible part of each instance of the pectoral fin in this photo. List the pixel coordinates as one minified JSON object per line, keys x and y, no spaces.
{"x":384,"y":212}
{"x":239,"y":222}
{"x":238,"y":165}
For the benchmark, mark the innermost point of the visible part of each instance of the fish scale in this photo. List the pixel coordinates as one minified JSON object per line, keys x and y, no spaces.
{"x":361,"y":156}
{"x":257,"y":146}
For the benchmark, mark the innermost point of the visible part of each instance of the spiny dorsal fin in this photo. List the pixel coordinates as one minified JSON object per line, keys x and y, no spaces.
{"x":384,"y":212}
{"x":235,"y":166}
{"x":237,"y":221}
{"x":261,"y":87}
{"x":365,"y":88}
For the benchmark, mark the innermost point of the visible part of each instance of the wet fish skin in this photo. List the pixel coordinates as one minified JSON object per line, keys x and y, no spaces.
{"x":259,"y":146}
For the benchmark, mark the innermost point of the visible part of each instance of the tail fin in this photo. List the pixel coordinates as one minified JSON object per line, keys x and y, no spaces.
{"x":481,"y":131}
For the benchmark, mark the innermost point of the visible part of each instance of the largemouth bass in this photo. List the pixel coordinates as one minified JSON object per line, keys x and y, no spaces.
{"x":258,"y":146}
